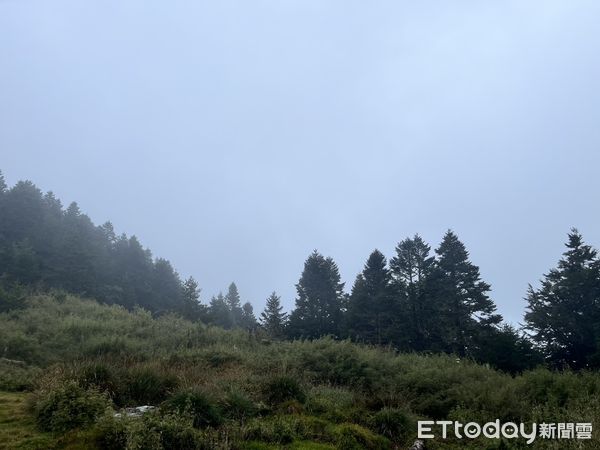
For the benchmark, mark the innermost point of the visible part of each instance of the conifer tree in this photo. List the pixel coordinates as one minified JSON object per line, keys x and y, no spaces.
{"x":463,"y":296}
{"x":372,"y":311}
{"x":192,"y":309}
{"x":320,"y":299}
{"x":411,"y":268}
{"x":273,"y":318}
{"x":563,"y":315}
{"x":219,"y":312}
{"x":248,"y":319}
{"x":235,"y":305}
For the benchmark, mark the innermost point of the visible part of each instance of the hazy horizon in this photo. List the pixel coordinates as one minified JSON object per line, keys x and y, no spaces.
{"x":235,"y":138}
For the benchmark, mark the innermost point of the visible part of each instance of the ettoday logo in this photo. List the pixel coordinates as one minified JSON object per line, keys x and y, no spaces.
{"x":508,"y":430}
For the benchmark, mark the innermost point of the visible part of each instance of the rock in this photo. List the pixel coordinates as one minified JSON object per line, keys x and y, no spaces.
{"x":136,"y":411}
{"x":418,"y":445}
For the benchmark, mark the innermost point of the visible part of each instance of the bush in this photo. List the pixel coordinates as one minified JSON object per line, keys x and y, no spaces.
{"x":335,"y":404}
{"x":99,"y":376}
{"x":392,"y":423}
{"x":237,"y":406}
{"x":283,"y":388}
{"x":111,"y":433}
{"x":69,"y":406}
{"x":196,"y":404}
{"x":148,"y":387}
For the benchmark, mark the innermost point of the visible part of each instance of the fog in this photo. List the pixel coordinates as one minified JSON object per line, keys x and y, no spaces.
{"x":235,"y":137}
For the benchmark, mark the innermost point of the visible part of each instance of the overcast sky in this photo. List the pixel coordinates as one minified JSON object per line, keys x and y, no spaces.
{"x":234,"y":137}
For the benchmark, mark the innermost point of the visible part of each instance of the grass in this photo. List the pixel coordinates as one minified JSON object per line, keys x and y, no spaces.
{"x":17,"y":426}
{"x":224,"y":390}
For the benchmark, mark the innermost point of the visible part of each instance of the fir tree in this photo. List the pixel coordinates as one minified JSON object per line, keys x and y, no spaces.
{"x":371,"y":311}
{"x":248,"y":320}
{"x":273,"y":318}
{"x":192,"y":308}
{"x":235,"y":305}
{"x":219,"y":312}
{"x":462,"y":297}
{"x":564,"y":314}
{"x":320,"y":299}
{"x":411,"y":268}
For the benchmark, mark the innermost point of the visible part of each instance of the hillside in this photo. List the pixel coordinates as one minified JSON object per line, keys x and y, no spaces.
{"x":83,"y":361}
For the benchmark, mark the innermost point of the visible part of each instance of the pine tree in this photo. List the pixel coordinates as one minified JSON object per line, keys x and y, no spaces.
{"x":320,"y":299}
{"x":219,"y":312}
{"x":273,"y":318}
{"x":191,"y":308}
{"x":235,"y":305}
{"x":372,"y":314}
{"x":462,"y":296}
{"x":564,"y":314}
{"x":248,"y":320}
{"x":411,"y":268}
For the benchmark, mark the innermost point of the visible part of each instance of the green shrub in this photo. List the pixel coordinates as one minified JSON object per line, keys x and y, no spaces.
{"x":238,"y":406}
{"x":283,"y":388}
{"x":335,"y":404}
{"x":176,"y":433}
{"x":199,"y":406}
{"x":392,"y":423}
{"x":111,"y":433}
{"x":279,"y":430}
{"x":99,"y":376}
{"x":69,"y":406}
{"x":149,"y":387}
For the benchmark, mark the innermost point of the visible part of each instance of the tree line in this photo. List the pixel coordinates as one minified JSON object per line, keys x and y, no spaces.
{"x":418,"y":301}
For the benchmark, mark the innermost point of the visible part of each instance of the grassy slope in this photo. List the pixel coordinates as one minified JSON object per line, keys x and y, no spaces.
{"x":17,"y":427}
{"x":347,"y":387}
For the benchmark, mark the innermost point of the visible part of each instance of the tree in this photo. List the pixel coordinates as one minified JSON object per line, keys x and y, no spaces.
{"x":563,"y":316}
{"x":461,"y":296}
{"x":192,"y":309}
{"x":320,"y":299}
{"x":248,"y":320}
{"x":3,"y":185}
{"x":219,"y":312}
{"x":506,"y":349}
{"x":273,"y":318}
{"x":372,"y":311}
{"x":48,"y":247}
{"x":411,"y":268}
{"x":235,"y":305}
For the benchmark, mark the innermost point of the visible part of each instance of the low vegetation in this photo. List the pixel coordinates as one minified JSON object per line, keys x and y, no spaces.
{"x":69,"y":365}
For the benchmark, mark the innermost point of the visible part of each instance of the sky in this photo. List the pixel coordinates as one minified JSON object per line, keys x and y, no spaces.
{"x":235,"y":137}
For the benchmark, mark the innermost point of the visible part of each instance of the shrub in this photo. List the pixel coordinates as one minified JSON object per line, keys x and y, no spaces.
{"x":196,"y":404}
{"x":99,"y":376}
{"x":237,"y":406}
{"x":392,"y":423}
{"x":283,"y":388}
{"x":111,"y":433}
{"x":335,"y":404}
{"x":149,"y":387}
{"x":69,"y":406}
